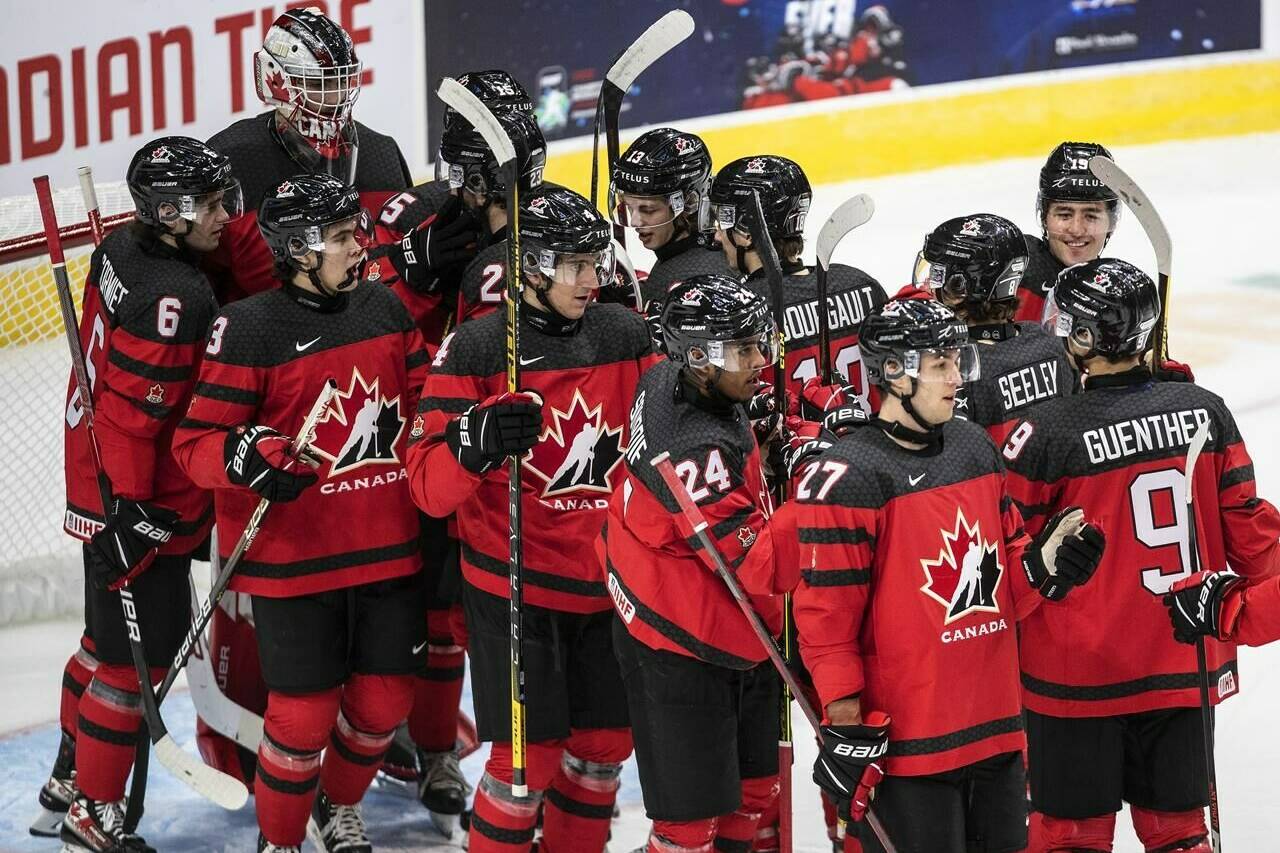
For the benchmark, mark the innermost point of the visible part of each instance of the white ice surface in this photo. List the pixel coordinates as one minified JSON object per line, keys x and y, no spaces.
{"x":1217,"y":197}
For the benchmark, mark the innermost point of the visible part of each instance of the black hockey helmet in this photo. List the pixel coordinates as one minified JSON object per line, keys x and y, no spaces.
{"x":894,"y":338}
{"x":1065,"y":176}
{"x":976,"y":259}
{"x":665,"y":163}
{"x":556,"y":222}
{"x":308,"y":70}
{"x":1106,"y":307}
{"x":293,"y":217}
{"x":714,"y":319}
{"x":784,"y":195}
{"x":181,"y":175}
{"x":496,"y":89}
{"x":466,"y":161}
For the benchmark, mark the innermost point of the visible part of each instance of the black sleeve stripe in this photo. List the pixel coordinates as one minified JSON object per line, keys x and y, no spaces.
{"x":836,"y":577}
{"x":149,"y":371}
{"x":1236,"y":476}
{"x":227,"y":394}
{"x":1005,"y":503}
{"x":732,"y":523}
{"x":192,"y":423}
{"x":452,"y":405}
{"x":835,"y":536}
{"x":417,"y":358}
{"x":1032,"y":510}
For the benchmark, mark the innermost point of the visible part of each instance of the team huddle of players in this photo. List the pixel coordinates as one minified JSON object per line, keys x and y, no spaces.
{"x":983,"y":530}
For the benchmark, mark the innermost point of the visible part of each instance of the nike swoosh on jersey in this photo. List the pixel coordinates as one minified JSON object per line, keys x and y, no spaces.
{"x":524,"y":361}
{"x":301,"y":346}
{"x":916,"y":479}
{"x":419,"y":647}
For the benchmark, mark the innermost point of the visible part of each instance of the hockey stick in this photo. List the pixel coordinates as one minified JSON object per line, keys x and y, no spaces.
{"x":90,"y":195}
{"x":222,"y":789}
{"x":1202,"y":663}
{"x":1119,"y":182}
{"x":852,"y":214}
{"x":652,"y":44}
{"x":471,"y":109}
{"x":696,"y":520}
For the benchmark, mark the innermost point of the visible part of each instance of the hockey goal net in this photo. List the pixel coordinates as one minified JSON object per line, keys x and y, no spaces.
{"x":40,"y":572}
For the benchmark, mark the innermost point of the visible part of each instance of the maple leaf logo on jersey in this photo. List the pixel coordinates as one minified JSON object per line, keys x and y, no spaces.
{"x":155,"y":394}
{"x":373,"y":271}
{"x":577,"y":450}
{"x":969,"y":585}
{"x":360,"y":427}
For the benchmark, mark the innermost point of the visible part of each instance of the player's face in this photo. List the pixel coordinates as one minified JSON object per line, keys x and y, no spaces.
{"x":939,"y":379}
{"x":576,"y":281}
{"x":652,"y":218}
{"x":205,"y":231}
{"x":729,"y":242}
{"x":344,"y":250}
{"x":742,"y":384}
{"x":1076,"y":231}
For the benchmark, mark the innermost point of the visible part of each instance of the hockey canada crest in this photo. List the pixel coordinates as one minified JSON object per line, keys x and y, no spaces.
{"x":971,"y":228}
{"x":755,"y":166}
{"x":360,"y":427}
{"x":965,"y":576}
{"x":285,"y":190}
{"x":577,"y":450}
{"x":161,"y":154}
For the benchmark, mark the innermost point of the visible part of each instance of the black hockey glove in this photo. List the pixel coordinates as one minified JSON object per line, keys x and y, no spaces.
{"x":490,"y":431}
{"x":762,"y":411}
{"x":1064,"y":555}
{"x":653,"y":317}
{"x":839,"y":422}
{"x":258,"y":457}
{"x":433,"y":256}
{"x":800,"y":450}
{"x":127,"y":545}
{"x":848,"y":763}
{"x":1198,"y":605}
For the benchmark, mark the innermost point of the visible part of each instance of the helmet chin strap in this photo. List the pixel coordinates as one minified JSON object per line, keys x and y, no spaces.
{"x":928,"y":434}
{"x":354,"y":274}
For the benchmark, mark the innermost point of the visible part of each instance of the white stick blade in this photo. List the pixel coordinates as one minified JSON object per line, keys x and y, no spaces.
{"x":459,"y":97}
{"x":1118,"y":181}
{"x":215,"y":786}
{"x":87,"y":189}
{"x":662,"y":35}
{"x":1193,"y":453}
{"x":852,"y":214}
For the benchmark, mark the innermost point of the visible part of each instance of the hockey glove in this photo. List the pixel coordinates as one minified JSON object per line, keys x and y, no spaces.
{"x":433,"y":256}
{"x":839,"y":422}
{"x":801,"y":450}
{"x":1174,"y":371}
{"x":128,"y":544}
{"x":817,"y":399}
{"x":1199,"y":607}
{"x":653,"y":317}
{"x":258,"y":457}
{"x":490,"y":431}
{"x":848,"y":766}
{"x":1064,"y":555}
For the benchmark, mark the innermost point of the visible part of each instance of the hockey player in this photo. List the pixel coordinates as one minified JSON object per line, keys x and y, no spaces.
{"x":660,"y":189}
{"x":1112,"y":701}
{"x":146,"y":309}
{"x":580,"y":363}
{"x":852,"y":294}
{"x":704,"y":700}
{"x":915,"y":567}
{"x":339,"y":617}
{"x":308,"y":73}
{"x":973,"y":264}
{"x":434,"y":231}
{"x":1077,"y":214}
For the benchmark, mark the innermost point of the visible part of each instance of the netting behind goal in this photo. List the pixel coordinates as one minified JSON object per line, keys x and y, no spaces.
{"x":40,"y":572}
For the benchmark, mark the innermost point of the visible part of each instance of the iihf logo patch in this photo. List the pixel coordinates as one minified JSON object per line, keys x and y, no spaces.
{"x":965,"y":575}
{"x":285,"y":190}
{"x":161,"y":154}
{"x":971,"y":228}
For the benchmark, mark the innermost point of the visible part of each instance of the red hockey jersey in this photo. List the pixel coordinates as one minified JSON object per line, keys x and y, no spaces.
{"x":146,"y":310}
{"x":1257,"y":609}
{"x":1042,"y":272}
{"x":585,"y":374}
{"x":242,"y":265}
{"x":912,"y":581}
{"x":267,"y":358}
{"x":663,"y":585}
{"x":1119,"y":450}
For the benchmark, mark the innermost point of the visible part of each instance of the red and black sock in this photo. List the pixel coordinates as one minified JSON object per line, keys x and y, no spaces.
{"x":372,"y":707}
{"x":294,"y":732}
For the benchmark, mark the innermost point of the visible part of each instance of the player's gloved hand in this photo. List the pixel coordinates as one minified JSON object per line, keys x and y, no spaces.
{"x":1203,"y":606}
{"x":817,"y":399}
{"x":653,"y":317}
{"x":762,"y":411}
{"x":1064,"y":555}
{"x":848,"y":766}
{"x":127,"y":545}
{"x":1174,"y":371}
{"x":624,"y":287}
{"x":259,"y":457}
{"x":839,"y":422}
{"x":805,"y":442}
{"x":487,"y":433}
{"x":433,"y":256}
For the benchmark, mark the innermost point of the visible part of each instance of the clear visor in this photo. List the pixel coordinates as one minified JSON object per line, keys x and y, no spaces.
{"x":953,"y":279}
{"x":755,"y":352}
{"x":341,"y":238}
{"x":223,"y":204}
{"x":644,"y":211}
{"x":953,"y":364}
{"x":577,"y":269}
